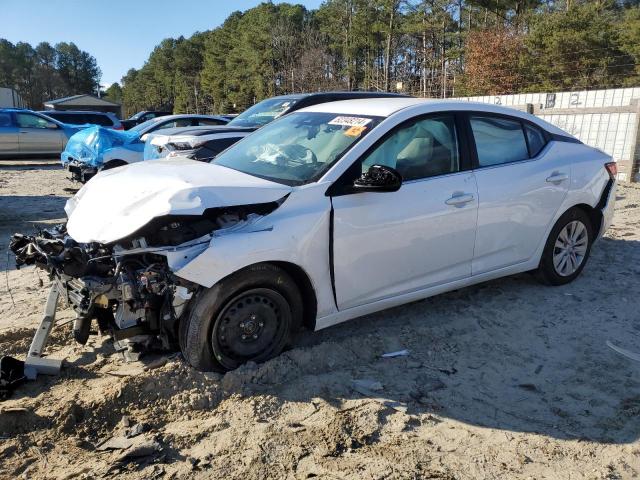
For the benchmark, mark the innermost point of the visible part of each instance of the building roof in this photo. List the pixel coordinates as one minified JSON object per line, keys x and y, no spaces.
{"x":84,"y":99}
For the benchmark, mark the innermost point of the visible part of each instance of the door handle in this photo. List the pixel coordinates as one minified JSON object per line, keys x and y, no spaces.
{"x":557,"y":177}
{"x":459,"y":199}
{"x":22,"y":131}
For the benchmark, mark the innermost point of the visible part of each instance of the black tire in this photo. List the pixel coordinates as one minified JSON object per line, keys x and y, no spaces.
{"x":547,"y":272}
{"x":248,"y":316}
{"x":113,"y":164}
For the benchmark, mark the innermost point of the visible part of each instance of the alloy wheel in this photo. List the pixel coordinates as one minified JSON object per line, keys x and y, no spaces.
{"x":570,"y":248}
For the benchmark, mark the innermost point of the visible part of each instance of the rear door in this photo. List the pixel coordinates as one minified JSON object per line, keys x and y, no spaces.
{"x":521,"y":186}
{"x":8,"y":134}
{"x":387,"y":244}
{"x":38,"y":135}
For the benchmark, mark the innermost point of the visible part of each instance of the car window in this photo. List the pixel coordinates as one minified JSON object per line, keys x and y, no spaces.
{"x":421,"y":149}
{"x":27,"y":120}
{"x":209,"y":121}
{"x":498,"y":140}
{"x":5,"y":119}
{"x":102,"y":120}
{"x":182,"y":122}
{"x":536,"y":139}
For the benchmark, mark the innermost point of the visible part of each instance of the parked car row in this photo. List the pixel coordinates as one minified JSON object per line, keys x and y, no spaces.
{"x":327,"y":213}
{"x":86,"y":154}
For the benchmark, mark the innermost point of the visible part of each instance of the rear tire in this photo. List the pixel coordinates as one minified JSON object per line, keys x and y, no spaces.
{"x":248,"y":316}
{"x":567,"y":249}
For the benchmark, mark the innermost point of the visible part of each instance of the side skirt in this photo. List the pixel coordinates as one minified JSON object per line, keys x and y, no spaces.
{"x":361,"y":310}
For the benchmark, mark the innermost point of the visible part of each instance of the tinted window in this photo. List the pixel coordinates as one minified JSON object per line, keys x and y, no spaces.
{"x":5,"y":120}
{"x":536,"y":139}
{"x":26,"y":120}
{"x":102,"y":120}
{"x":498,"y":140}
{"x":73,"y":118}
{"x":421,"y":149}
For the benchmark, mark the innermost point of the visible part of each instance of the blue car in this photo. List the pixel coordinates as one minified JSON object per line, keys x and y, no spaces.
{"x":98,"y":148}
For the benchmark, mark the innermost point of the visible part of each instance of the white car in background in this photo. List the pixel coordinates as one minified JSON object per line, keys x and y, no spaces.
{"x":329,"y":213}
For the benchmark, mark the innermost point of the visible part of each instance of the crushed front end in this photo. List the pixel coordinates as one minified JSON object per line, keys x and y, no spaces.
{"x":134,"y":296}
{"x":128,"y":287}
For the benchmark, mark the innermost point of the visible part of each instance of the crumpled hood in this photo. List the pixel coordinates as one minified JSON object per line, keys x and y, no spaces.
{"x":117,"y":202}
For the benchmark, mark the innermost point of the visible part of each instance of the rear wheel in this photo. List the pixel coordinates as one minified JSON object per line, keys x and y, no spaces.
{"x":248,"y":316}
{"x":567,"y":248}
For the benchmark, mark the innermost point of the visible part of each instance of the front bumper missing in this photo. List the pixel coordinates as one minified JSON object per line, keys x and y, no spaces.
{"x":81,"y":172}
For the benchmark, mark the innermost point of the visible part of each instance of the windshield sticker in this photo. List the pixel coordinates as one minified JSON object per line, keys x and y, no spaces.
{"x":355,"y":131}
{"x":350,"y":121}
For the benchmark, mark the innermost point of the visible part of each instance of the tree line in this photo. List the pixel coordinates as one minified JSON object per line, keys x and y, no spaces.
{"x":47,"y":72}
{"x":431,"y":48}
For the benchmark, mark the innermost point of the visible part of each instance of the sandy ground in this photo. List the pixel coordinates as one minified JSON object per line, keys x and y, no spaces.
{"x":509,"y":379}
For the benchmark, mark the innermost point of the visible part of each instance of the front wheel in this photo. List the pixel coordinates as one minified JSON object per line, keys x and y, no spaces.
{"x":567,"y":248}
{"x":247,"y":317}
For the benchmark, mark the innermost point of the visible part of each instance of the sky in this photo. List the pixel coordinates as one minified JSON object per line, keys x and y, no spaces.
{"x":119,"y":34}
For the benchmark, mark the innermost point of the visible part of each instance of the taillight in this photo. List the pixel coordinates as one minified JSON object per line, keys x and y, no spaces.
{"x":612,"y":169}
{"x":120,"y":127}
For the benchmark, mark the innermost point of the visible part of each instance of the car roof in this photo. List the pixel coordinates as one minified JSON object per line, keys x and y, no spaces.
{"x":92,"y":112}
{"x":385,"y":107}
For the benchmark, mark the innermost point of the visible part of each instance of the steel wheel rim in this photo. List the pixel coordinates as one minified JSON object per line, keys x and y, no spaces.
{"x":250,"y":326}
{"x":570,"y":248}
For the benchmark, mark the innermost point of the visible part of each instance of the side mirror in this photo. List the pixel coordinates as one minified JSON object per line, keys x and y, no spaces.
{"x":379,"y":178}
{"x":52,"y":126}
{"x":144,"y":137}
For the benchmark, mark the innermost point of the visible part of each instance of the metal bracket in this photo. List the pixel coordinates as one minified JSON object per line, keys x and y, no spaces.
{"x":35,"y":363}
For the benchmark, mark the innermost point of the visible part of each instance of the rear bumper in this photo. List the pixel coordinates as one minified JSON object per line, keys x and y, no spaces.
{"x":607,"y":205}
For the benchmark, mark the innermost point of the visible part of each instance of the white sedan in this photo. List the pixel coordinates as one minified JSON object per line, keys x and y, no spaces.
{"x":327,"y":214}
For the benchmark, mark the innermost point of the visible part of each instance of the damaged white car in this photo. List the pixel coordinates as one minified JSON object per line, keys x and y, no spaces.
{"x":324,"y":215}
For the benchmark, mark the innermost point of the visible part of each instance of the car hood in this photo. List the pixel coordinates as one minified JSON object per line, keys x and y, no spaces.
{"x":118,"y":202}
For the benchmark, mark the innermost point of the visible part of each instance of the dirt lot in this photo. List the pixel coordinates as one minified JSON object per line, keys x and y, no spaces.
{"x":509,"y":379}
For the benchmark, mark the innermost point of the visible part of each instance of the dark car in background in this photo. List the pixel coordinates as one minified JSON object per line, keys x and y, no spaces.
{"x":143,"y":116}
{"x":204,"y":146}
{"x":80,"y":117}
{"x":197,"y":143}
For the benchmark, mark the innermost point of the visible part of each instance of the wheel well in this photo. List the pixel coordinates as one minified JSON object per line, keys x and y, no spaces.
{"x":309,"y":300}
{"x":113,"y":164}
{"x":594,"y":215}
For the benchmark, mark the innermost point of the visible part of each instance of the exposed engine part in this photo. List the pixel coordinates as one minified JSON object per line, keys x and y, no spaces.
{"x":127,"y":286}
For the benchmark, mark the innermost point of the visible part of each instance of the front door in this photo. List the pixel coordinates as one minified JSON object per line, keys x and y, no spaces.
{"x":37,"y":135}
{"x":387,"y":244}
